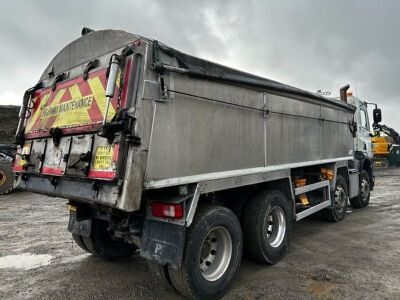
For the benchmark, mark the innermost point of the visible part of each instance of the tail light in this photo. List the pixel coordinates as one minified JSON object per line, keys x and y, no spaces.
{"x":167,"y":210}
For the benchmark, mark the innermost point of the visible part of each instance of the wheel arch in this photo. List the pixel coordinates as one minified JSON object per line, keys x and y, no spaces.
{"x":344,"y":172}
{"x":367,"y":166}
{"x":365,"y":163}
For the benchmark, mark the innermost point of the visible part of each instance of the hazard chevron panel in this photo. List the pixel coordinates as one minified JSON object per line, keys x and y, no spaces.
{"x":76,"y":105}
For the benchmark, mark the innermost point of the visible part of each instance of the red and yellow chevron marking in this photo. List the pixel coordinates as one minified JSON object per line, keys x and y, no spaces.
{"x":74,"y":104}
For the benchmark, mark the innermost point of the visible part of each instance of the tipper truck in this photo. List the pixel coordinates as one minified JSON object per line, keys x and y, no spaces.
{"x":185,"y":161}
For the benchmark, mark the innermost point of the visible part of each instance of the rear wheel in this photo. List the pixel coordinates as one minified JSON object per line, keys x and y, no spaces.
{"x":79,"y":241}
{"x":212,"y":254}
{"x":341,"y":197}
{"x":102,"y":244}
{"x":160,"y":275}
{"x":362,"y":199}
{"x":6,"y":176}
{"x":267,"y":225}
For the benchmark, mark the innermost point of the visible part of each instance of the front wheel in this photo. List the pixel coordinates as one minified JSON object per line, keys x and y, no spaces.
{"x":212,"y":254}
{"x":362,"y":199}
{"x":338,"y":211}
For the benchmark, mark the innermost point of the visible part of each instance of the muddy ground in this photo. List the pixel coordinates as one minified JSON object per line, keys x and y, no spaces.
{"x":358,"y":258}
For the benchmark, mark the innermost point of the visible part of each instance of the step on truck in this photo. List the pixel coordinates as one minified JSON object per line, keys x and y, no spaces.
{"x":187,"y":162}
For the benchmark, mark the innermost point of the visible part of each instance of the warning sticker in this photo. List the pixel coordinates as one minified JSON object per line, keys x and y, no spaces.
{"x":20,"y":162}
{"x":25,"y":151}
{"x":103,"y":157}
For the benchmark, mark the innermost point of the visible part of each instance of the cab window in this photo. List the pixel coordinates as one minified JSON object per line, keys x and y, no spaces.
{"x":364,"y":119}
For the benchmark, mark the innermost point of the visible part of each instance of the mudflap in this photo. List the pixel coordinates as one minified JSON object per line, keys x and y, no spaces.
{"x":163,"y":242}
{"x":79,"y":227}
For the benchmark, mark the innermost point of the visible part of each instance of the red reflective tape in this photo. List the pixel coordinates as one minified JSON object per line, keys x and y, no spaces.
{"x":66,"y":96}
{"x":94,"y":112}
{"x":115,"y":153}
{"x":17,"y":168}
{"x":50,"y":121}
{"x":101,"y":174}
{"x":52,"y":171}
{"x":84,"y":88}
{"x":103,"y":79}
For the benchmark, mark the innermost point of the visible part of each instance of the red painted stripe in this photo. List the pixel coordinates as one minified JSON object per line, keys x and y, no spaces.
{"x":84,"y":88}
{"x":66,"y":96}
{"x":94,"y":112}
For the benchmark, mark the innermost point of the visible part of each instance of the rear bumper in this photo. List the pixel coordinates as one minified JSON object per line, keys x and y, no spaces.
{"x":87,"y":191}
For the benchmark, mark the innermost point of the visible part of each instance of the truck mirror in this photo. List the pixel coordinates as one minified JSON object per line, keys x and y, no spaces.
{"x":377,"y":115}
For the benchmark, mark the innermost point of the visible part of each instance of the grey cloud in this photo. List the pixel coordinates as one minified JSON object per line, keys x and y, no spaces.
{"x":309,"y":44}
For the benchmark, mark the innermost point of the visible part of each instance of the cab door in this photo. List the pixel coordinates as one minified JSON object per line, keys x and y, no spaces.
{"x":364,"y":131}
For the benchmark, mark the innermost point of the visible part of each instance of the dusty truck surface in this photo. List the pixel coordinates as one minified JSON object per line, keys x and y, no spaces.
{"x":188,"y":161}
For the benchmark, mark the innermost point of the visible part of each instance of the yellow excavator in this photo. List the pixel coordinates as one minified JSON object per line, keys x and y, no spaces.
{"x":385,"y":146}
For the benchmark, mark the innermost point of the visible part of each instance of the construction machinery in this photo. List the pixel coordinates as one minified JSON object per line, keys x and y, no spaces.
{"x":189,"y":161}
{"x":386,"y":146}
{"x":7,"y":154}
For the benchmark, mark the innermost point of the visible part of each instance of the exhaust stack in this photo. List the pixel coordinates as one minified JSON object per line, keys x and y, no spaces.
{"x":343,"y":92}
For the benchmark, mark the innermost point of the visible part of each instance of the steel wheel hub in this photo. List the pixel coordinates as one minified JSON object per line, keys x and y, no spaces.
{"x":275,"y":226}
{"x":365,"y":189}
{"x":215,"y":254}
{"x":340,"y":199}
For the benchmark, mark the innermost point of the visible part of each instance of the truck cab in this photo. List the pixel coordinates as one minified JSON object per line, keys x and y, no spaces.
{"x":362,"y":140}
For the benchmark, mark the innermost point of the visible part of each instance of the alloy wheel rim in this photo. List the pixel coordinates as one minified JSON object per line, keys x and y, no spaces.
{"x":340,"y":199}
{"x":365,"y":189}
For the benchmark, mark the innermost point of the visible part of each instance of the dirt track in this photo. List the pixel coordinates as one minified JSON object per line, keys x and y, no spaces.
{"x":358,"y":258}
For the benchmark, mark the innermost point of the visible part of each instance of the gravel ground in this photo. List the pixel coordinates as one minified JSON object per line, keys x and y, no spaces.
{"x":358,"y":258}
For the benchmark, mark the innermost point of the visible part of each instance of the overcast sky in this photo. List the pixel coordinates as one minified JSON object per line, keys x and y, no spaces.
{"x":309,"y":44}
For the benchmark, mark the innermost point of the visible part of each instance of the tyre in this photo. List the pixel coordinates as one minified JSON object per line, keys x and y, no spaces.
{"x":362,"y":199}
{"x":267,"y":225}
{"x":212,"y":254}
{"x":341,"y":196}
{"x":160,"y":275}
{"x":102,"y":244}
{"x":6,"y":176}
{"x":79,"y":241}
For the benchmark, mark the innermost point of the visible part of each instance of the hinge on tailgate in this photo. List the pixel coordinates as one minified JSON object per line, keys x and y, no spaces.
{"x":91,"y":65}
{"x":121,"y":122}
{"x":59,"y":77}
{"x":56,"y":133}
{"x":84,"y":157}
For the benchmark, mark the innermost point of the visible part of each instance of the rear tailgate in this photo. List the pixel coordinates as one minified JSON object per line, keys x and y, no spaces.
{"x":60,"y":131}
